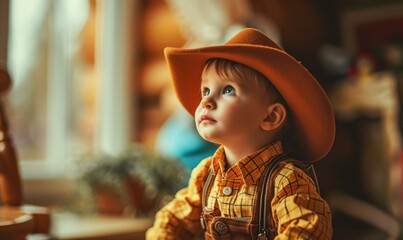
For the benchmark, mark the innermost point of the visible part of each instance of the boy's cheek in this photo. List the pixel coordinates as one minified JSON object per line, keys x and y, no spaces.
{"x":198,"y":111}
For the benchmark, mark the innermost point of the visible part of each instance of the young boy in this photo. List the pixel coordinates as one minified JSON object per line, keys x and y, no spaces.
{"x":270,"y":117}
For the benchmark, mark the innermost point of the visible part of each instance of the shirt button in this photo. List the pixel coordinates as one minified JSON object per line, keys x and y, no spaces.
{"x":221,"y":227}
{"x":227,"y":191}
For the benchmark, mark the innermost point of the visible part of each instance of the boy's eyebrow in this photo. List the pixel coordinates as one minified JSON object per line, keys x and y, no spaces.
{"x":202,"y":86}
{"x":203,"y":81}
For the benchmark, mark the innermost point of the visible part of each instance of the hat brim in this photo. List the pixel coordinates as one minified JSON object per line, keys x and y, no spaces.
{"x":310,"y":108}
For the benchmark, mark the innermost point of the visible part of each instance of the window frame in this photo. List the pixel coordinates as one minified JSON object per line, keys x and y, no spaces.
{"x":115,"y":68}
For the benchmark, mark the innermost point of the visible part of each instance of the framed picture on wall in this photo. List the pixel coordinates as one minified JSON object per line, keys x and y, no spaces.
{"x":364,"y":30}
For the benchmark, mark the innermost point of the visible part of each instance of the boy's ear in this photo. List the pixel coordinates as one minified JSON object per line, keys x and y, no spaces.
{"x":275,"y":117}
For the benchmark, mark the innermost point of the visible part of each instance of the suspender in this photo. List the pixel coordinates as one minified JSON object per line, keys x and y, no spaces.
{"x":309,"y":169}
{"x":263,"y":197}
{"x":206,"y":188}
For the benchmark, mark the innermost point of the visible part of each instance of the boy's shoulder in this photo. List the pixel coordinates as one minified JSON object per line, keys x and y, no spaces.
{"x":293,"y":172}
{"x":291,"y":165}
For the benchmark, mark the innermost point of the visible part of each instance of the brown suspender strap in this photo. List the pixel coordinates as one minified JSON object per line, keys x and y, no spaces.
{"x":206,"y":188}
{"x":310,"y":169}
{"x":263,"y":231}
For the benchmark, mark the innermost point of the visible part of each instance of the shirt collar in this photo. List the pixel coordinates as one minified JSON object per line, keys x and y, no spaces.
{"x":250,"y":167}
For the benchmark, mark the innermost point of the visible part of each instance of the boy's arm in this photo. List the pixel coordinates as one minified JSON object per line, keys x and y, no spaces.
{"x":180,"y":219}
{"x":298,"y":210}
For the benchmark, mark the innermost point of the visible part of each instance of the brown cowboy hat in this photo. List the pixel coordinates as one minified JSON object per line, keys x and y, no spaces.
{"x":310,"y":108}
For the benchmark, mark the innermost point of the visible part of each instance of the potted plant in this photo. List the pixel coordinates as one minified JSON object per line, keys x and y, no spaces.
{"x":136,"y":182}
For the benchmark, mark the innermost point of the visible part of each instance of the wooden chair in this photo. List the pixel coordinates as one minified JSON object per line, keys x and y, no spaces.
{"x":14,"y":223}
{"x":16,"y":220}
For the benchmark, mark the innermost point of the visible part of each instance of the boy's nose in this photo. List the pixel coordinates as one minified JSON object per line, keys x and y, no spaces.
{"x":208,"y":103}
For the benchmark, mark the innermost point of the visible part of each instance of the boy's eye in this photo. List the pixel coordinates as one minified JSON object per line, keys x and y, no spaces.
{"x":205,"y":92}
{"x":228,"y":90}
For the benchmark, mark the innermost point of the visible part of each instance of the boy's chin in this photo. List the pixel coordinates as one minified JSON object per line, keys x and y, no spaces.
{"x":209,"y":138}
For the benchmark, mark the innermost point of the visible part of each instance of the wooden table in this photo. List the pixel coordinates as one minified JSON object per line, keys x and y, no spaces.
{"x":67,"y":226}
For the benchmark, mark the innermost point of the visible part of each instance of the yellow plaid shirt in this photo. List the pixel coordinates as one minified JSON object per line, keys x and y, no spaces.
{"x":297,"y":208}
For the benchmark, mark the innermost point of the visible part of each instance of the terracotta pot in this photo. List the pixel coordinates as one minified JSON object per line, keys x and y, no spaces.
{"x":138,"y":196}
{"x":108,"y":201}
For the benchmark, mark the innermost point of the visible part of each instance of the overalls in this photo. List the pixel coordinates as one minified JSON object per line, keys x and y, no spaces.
{"x":255,"y":227}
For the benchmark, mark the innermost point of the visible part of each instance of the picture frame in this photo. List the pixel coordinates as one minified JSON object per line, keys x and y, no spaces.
{"x":364,"y":29}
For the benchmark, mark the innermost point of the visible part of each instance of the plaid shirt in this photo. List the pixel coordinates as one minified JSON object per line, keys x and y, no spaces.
{"x":297,"y":209}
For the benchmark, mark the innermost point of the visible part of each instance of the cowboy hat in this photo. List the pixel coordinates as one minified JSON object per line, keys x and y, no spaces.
{"x":310,"y":108}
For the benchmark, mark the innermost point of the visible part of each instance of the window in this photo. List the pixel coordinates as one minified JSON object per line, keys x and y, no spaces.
{"x":63,"y":105}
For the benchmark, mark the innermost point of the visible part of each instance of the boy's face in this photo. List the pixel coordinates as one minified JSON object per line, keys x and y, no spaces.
{"x":230,"y":112}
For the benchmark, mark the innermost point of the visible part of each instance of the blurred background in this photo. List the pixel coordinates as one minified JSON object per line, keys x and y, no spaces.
{"x":92,"y":108}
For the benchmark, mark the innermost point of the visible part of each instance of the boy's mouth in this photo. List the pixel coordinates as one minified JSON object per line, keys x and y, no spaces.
{"x":204,"y":117}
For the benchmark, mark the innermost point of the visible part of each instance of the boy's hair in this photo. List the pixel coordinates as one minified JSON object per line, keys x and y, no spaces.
{"x":227,"y":69}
